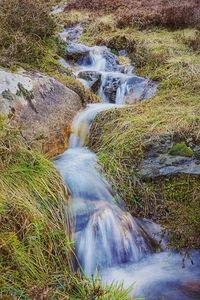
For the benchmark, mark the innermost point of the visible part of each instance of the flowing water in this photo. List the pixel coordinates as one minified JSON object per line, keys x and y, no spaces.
{"x":108,"y":239}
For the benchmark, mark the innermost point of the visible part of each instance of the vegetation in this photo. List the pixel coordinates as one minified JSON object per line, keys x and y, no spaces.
{"x":35,"y":229}
{"x":36,"y":247}
{"x":181,"y":149}
{"x":145,"y":14}
{"x":36,"y":251}
{"x":122,"y":138}
{"x":21,"y":42}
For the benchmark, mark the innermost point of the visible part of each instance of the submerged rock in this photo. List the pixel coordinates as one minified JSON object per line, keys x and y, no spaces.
{"x":42,"y":107}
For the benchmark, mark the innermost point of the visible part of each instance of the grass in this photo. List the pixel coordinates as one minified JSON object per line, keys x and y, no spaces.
{"x":145,"y":14}
{"x":122,"y":138}
{"x":35,"y":224}
{"x":29,"y":43}
{"x":36,"y":244}
{"x":85,"y":94}
{"x":36,"y":248}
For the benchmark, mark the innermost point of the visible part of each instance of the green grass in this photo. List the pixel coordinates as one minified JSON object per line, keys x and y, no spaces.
{"x":36,"y":244}
{"x":35,"y":224}
{"x":122,"y":137}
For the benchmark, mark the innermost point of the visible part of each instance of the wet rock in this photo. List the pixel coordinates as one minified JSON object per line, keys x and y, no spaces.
{"x":77,"y":51}
{"x":90,"y":75}
{"x":41,"y":106}
{"x":112,"y":63}
{"x":110,"y":87}
{"x":93,"y":79}
{"x":139,"y":88}
{"x":196,"y":152}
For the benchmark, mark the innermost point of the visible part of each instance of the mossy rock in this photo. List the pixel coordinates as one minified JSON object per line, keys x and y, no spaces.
{"x":181,"y":149}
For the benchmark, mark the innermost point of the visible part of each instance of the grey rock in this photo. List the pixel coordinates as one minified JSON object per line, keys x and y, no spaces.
{"x":112,"y":63}
{"x":76,"y":51}
{"x":167,"y":165}
{"x":196,"y":151}
{"x":123,"y":52}
{"x":41,"y":106}
{"x":93,"y":79}
{"x":71,"y":34}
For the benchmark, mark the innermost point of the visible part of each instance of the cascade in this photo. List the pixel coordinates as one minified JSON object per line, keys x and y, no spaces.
{"x":108,"y":239}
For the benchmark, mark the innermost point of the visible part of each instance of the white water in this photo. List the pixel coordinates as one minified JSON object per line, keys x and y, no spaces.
{"x":108,"y":239}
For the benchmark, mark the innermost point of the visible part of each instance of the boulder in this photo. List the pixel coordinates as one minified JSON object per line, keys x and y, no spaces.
{"x":41,"y":106}
{"x":112,"y":63}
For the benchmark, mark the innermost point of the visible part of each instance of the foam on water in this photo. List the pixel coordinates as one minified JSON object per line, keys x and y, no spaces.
{"x":160,"y":276}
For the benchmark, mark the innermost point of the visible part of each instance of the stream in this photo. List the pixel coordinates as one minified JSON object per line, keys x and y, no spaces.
{"x":108,"y":239}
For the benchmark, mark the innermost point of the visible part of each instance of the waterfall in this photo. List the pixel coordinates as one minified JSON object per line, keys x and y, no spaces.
{"x":114,"y":236}
{"x":108,"y":239}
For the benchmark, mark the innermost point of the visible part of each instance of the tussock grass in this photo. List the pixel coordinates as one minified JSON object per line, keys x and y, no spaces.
{"x":36,"y":248}
{"x":122,"y":138}
{"x":35,"y":238}
{"x":73,"y":17}
{"x":26,"y":33}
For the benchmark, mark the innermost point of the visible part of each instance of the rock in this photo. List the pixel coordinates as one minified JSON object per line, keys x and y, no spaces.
{"x":41,"y":106}
{"x":71,"y":34}
{"x":123,"y":52}
{"x":112,"y":63}
{"x":165,"y":165}
{"x":196,"y":152}
{"x":77,"y":51}
{"x":139,"y":88}
{"x":93,"y":79}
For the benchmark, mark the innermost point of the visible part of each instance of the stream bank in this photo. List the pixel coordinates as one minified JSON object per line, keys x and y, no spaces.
{"x":108,"y":239}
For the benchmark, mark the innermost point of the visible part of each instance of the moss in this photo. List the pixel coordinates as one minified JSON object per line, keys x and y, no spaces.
{"x":181,"y":149}
{"x":7,"y":95}
{"x":28,"y":95}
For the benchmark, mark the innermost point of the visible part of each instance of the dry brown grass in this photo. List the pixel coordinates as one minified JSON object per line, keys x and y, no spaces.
{"x":25,"y":27}
{"x":171,"y":14}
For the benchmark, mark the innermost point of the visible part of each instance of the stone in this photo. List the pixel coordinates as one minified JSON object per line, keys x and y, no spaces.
{"x":112,"y":63}
{"x":165,"y":165}
{"x":71,"y":34}
{"x":41,"y":106}
{"x":123,"y":52}
{"x":77,"y":51}
{"x":93,"y":79}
